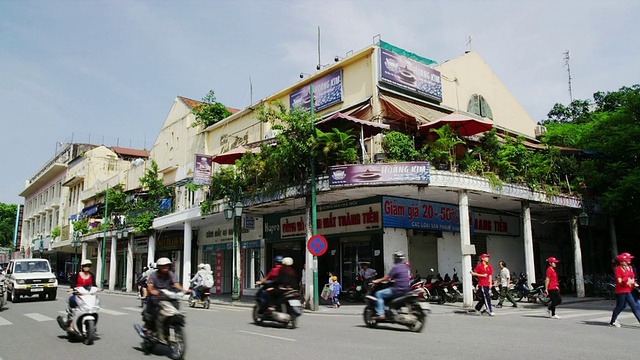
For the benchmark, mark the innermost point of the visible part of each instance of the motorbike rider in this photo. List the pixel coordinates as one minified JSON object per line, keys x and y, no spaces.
{"x":197,"y":282}
{"x":367,"y":275}
{"x":285,"y":281}
{"x":268,"y":281}
{"x":161,"y":279}
{"x":141,"y":281}
{"x":400,"y":275}
{"x":85,"y":278}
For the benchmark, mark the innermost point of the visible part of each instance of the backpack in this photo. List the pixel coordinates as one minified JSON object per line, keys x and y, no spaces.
{"x":208,"y":281}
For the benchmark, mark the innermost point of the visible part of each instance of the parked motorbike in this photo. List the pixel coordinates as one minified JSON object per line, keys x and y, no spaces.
{"x":357,"y":291}
{"x":200,"y":298}
{"x":286,"y":311}
{"x":3,"y":296}
{"x":169,"y":327}
{"x":407,"y":309}
{"x":533,"y":294}
{"x":83,"y":317}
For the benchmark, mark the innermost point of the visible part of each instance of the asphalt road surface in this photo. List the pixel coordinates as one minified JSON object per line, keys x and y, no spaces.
{"x":28,"y":331}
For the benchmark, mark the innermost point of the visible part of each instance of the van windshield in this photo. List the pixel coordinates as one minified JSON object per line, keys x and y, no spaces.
{"x":31,"y":266}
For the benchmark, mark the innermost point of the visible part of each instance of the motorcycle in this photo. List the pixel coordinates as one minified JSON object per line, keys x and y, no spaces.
{"x":357,"y":291}
{"x":84,"y":316}
{"x":533,"y":294}
{"x":203,"y":299}
{"x":169,"y":327}
{"x":407,"y":309}
{"x":287,"y":310}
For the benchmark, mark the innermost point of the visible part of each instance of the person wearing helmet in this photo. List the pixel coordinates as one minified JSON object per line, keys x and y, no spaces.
{"x":285,"y":281}
{"x":484,"y":272}
{"x":625,"y":283}
{"x":268,"y":282}
{"x":197,"y":282}
{"x":552,"y":288}
{"x":399,"y":275}
{"x":163,"y":278}
{"x":85,"y":278}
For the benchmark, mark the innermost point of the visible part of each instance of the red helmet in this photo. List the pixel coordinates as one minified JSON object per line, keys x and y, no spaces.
{"x":625,"y":257}
{"x":553,"y":260}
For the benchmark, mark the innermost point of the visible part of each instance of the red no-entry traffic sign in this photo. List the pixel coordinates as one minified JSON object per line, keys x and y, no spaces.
{"x":317,"y":245}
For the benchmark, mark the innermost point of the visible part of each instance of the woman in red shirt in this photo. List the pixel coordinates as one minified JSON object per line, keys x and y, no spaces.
{"x":551,"y":287}
{"x":625,"y":282}
{"x":483,"y":271}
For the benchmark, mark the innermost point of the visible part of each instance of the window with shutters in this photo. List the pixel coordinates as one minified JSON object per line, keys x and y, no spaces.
{"x":479,"y":106}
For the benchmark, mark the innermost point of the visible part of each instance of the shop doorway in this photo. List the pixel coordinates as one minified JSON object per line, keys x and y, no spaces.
{"x":353,"y":254}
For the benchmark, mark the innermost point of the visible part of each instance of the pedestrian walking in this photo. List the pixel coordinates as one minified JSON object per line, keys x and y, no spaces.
{"x":484,"y":271}
{"x":303,"y":285}
{"x":504,"y":280}
{"x":625,"y":283}
{"x":552,"y":289}
{"x":336,"y":292}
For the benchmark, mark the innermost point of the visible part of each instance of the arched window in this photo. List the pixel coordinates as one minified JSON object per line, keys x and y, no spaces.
{"x":479,"y":106}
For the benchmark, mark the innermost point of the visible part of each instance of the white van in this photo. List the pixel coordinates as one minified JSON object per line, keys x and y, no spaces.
{"x":27,"y":277}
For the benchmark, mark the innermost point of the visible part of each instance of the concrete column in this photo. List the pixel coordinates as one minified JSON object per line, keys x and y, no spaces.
{"x":151,"y":250}
{"x":467,"y":249}
{"x":529,"y":263}
{"x":186,"y":255}
{"x":577,"y":257}
{"x":100,"y":264}
{"x":614,"y":239}
{"x":311,"y":267}
{"x":113,"y":264}
{"x":84,"y":251}
{"x":130,"y":263}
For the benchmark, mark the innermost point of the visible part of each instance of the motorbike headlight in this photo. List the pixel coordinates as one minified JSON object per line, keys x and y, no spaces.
{"x":20,"y":281}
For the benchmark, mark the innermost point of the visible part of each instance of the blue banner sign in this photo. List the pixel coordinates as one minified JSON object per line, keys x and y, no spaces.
{"x":416,"y":214}
{"x":327,"y":91}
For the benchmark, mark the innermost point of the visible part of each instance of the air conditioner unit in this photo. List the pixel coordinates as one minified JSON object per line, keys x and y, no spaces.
{"x":271,"y":134}
{"x":540,"y":130}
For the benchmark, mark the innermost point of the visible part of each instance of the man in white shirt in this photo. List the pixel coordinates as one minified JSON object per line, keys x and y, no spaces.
{"x":505,"y":279}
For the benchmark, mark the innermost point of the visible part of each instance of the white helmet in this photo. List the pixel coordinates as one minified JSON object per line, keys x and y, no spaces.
{"x":86,"y":262}
{"x":287,"y":261}
{"x":200,"y":266}
{"x":163,"y":261}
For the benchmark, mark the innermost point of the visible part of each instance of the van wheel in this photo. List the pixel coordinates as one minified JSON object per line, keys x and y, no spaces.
{"x":15,"y":298}
{"x":52,"y":295}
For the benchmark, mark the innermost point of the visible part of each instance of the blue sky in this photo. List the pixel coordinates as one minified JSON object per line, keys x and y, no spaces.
{"x":108,"y":71}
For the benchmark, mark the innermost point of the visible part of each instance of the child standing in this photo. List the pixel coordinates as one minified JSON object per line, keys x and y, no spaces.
{"x":336,"y":292}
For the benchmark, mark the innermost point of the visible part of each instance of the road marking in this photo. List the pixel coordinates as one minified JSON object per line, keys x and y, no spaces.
{"x":608,"y":318}
{"x":265,"y":335}
{"x":594,"y":313}
{"x":4,"y":321}
{"x":112,"y":312}
{"x":227,"y":308}
{"x":130,"y":308}
{"x":38,"y":317}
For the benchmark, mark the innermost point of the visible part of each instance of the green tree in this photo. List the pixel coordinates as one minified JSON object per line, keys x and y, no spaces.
{"x":399,"y":146}
{"x":147,"y":207}
{"x":7,"y":223}
{"x":209,"y":111}
{"x":337,"y":147}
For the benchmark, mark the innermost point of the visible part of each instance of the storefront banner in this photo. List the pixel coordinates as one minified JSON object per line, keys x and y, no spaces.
{"x":379,"y":174}
{"x":327,"y":91}
{"x":484,"y":223}
{"x":141,"y":246}
{"x":170,"y":243}
{"x":251,"y":244}
{"x":219,"y":272}
{"x":223,"y":232}
{"x":409,"y":74}
{"x":202,"y":172}
{"x":416,"y":214}
{"x":335,"y":221}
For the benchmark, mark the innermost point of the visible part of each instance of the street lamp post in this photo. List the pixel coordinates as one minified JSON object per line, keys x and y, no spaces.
{"x":235,"y":213}
{"x":75,"y":243}
{"x":40,"y":244}
{"x":123,"y":233}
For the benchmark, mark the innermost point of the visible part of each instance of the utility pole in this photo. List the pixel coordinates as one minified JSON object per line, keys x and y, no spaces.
{"x":566,"y":62}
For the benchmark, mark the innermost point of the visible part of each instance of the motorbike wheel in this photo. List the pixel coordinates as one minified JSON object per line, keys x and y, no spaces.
{"x":147,"y":346}
{"x":207,"y":303}
{"x":257,"y":317}
{"x":90,"y":332}
{"x":443,"y":297}
{"x":545,"y":300}
{"x":352,"y":296}
{"x":192,"y":301}
{"x":293,"y":322}
{"x":178,"y":345}
{"x":369,"y":313}
{"x":422,"y":318}
{"x":517,"y":295}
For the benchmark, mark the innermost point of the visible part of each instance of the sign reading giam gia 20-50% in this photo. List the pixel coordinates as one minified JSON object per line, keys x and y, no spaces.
{"x":416,"y":214}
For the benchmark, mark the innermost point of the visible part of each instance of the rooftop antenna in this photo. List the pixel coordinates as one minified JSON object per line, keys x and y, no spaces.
{"x":319,"y":62}
{"x":469,"y":40}
{"x":566,"y":62}
{"x":250,"y":91}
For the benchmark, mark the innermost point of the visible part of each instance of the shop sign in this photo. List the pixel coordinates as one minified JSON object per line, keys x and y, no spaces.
{"x":203,"y":168}
{"x":496,"y":224}
{"x":170,"y":243}
{"x":251,"y":244}
{"x":379,"y":174}
{"x":327,"y":92}
{"x":409,"y":74}
{"x":416,"y":214}
{"x":141,"y":246}
{"x":219,"y":272}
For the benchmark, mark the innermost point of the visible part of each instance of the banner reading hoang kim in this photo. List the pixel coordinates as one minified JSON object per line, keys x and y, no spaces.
{"x":409,"y":74}
{"x":327,"y":91}
{"x":380,"y":174}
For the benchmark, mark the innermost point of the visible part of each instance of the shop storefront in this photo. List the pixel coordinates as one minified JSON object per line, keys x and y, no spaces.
{"x":170,"y":244}
{"x":217,"y":250}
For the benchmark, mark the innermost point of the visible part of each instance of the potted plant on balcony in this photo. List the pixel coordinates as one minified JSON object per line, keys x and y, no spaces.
{"x":442,"y":151}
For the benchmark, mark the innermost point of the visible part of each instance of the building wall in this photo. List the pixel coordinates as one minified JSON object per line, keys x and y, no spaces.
{"x":395,"y":239}
{"x":474,"y":76}
{"x":508,"y":249}
{"x":449,"y":254}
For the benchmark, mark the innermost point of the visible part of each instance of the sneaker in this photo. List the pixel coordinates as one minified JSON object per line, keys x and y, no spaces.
{"x":483,"y":312}
{"x":498,"y":306}
{"x":514,"y":305}
{"x":556,"y":317}
{"x":492,"y":314}
{"x":615,"y":324}
{"x":548,"y":313}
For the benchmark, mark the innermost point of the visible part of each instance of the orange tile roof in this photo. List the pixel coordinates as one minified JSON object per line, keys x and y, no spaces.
{"x":193,"y":103}
{"x":130,"y":152}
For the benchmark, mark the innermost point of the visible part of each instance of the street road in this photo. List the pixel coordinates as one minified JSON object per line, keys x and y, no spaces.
{"x":28,"y":331}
